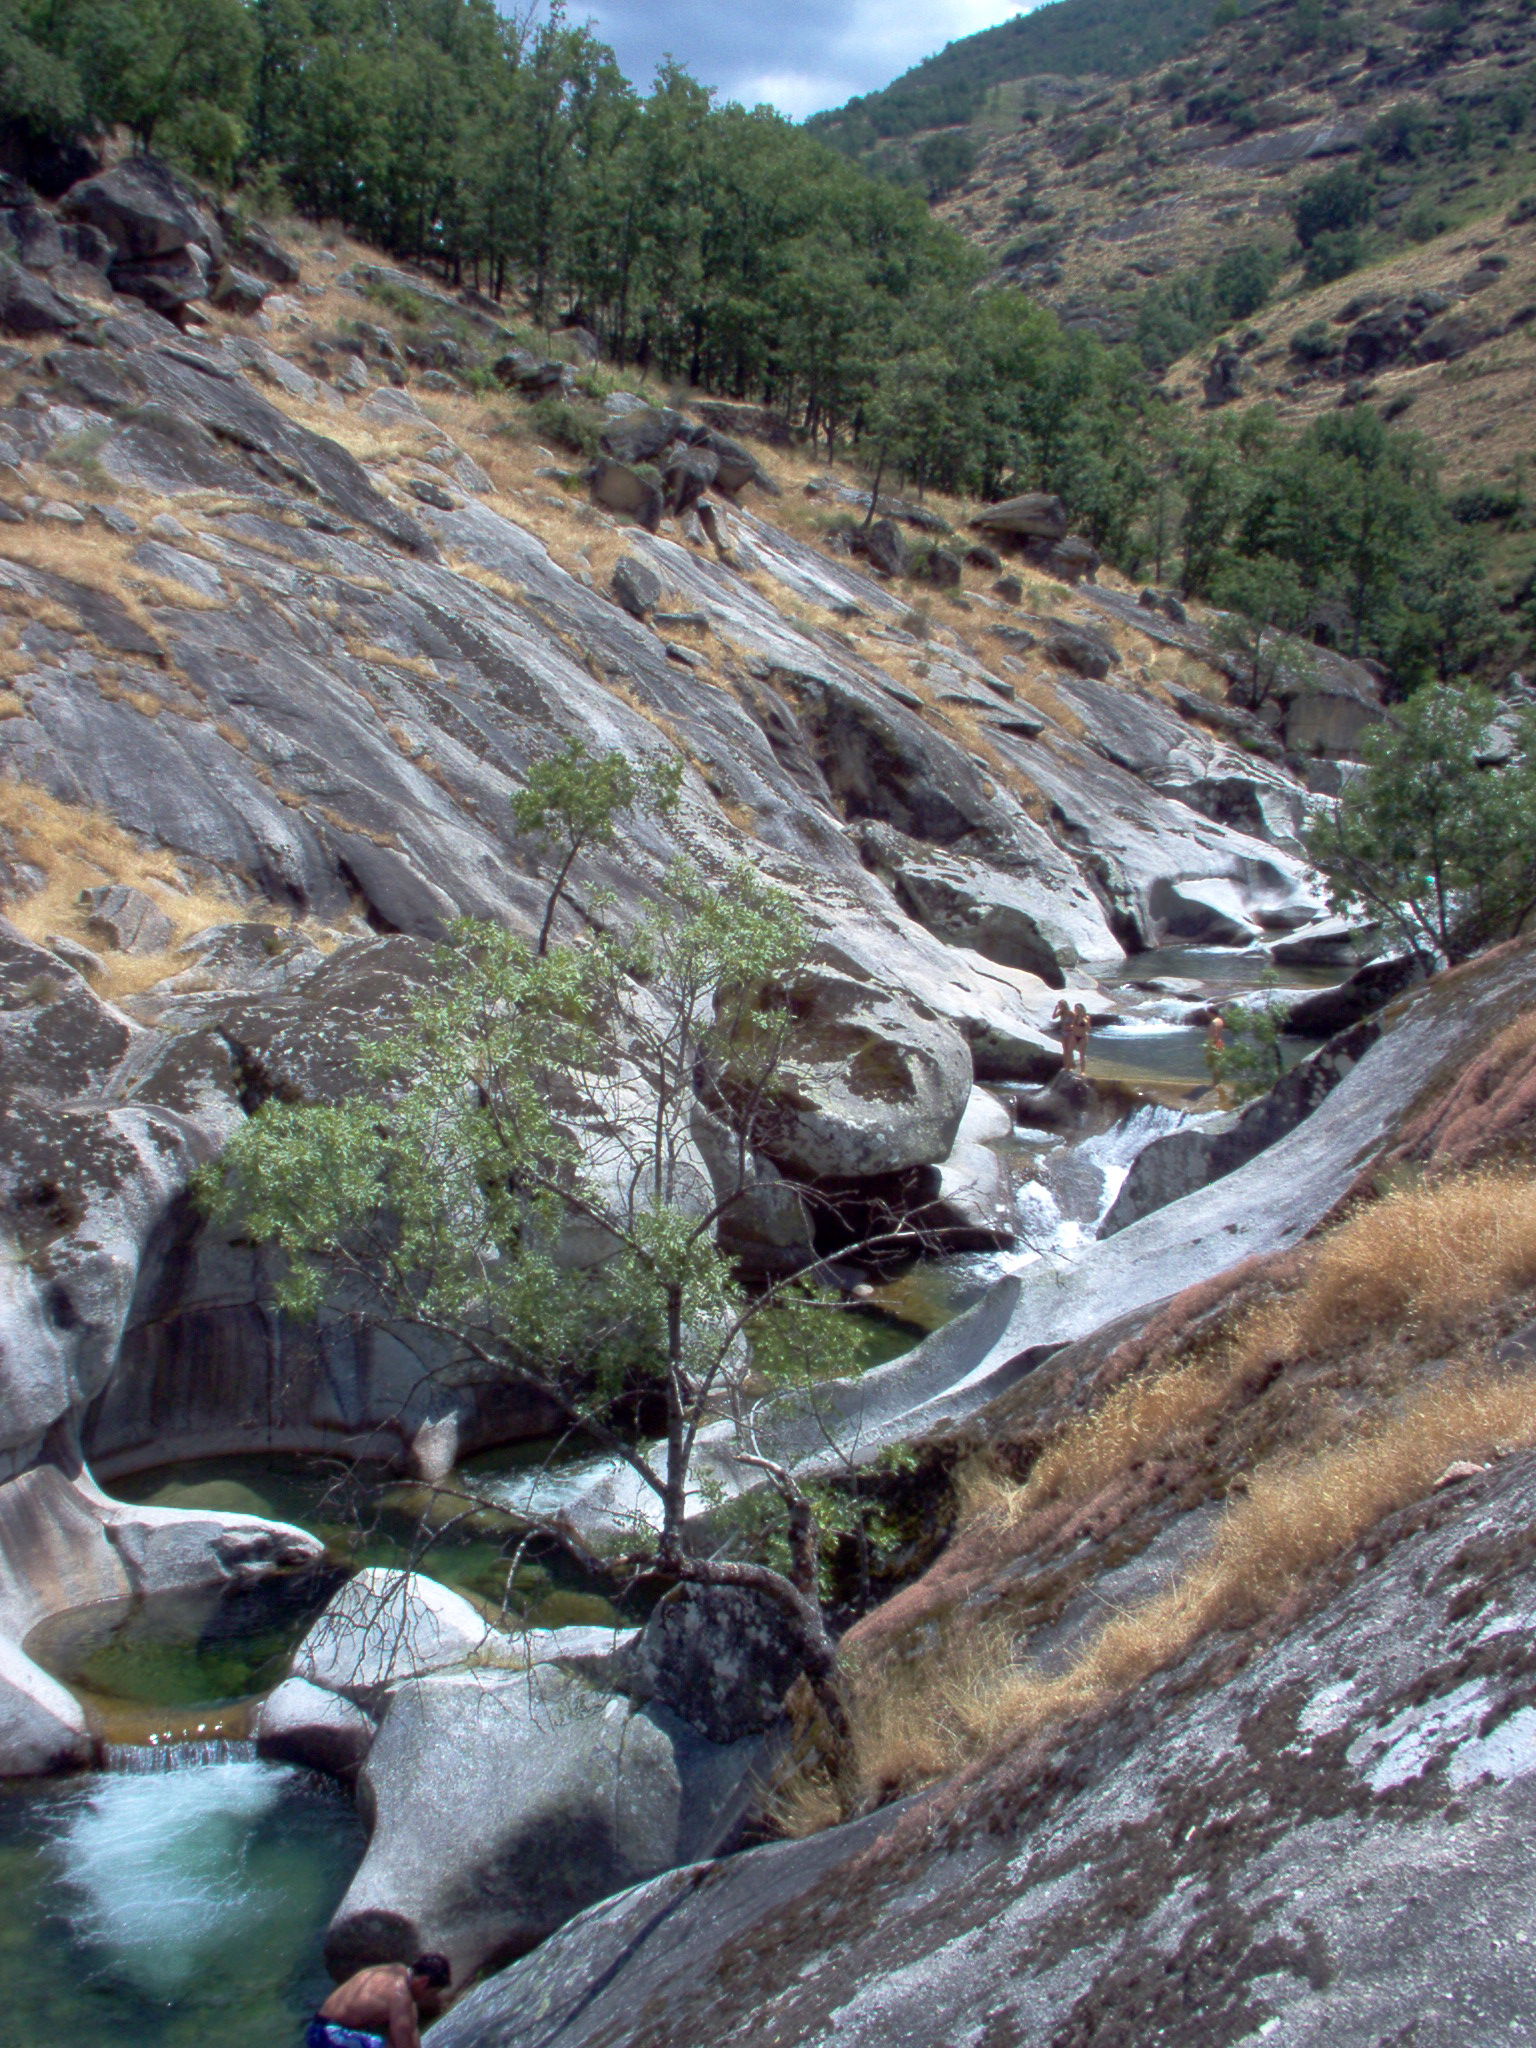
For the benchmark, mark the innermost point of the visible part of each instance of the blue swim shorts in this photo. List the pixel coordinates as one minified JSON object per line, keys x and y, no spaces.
{"x":328,"y":2034}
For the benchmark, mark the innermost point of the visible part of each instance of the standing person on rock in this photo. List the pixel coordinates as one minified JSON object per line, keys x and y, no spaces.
{"x":382,"y":2006}
{"x":1082,"y":1031}
{"x":1061,"y":1017}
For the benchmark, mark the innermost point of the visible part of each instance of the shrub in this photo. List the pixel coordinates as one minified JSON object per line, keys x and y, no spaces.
{"x":1333,"y":254}
{"x":1332,"y":204}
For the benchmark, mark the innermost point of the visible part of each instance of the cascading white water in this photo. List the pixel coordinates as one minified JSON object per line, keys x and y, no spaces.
{"x":156,"y":1859}
{"x":139,"y":1759}
{"x":1060,"y":1214}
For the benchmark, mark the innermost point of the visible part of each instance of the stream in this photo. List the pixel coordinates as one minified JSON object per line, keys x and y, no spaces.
{"x":179,"y":1896}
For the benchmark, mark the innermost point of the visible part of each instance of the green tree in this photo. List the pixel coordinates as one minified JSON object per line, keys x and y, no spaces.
{"x":573,"y":802}
{"x":1332,"y":204}
{"x":1250,"y":1059}
{"x":1434,"y":840}
{"x":522,"y":1187}
{"x":1265,"y":601}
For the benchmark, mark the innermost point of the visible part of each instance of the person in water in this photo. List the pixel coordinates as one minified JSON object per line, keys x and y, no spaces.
{"x":381,"y":2007}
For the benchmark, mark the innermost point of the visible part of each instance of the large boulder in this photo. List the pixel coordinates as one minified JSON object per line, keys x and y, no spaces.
{"x":721,"y":1657}
{"x":619,"y":488}
{"x":385,"y":1627}
{"x":146,"y":211}
{"x":29,"y":306}
{"x":300,"y":1723}
{"x":872,"y":1081}
{"x":1037,"y":515}
{"x":501,"y":1803}
{"x":42,"y":1725}
{"x":640,"y":436}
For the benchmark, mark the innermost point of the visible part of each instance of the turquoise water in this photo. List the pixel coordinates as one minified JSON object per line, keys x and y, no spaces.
{"x":179,"y":1909}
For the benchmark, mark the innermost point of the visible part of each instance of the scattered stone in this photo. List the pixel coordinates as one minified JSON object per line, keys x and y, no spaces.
{"x":940,"y":568}
{"x":979,"y":556}
{"x":73,"y":954}
{"x":431,"y":494}
{"x":883,"y":546}
{"x":1009,"y":589}
{"x":116,"y":520}
{"x":620,"y":489}
{"x":11,"y":515}
{"x":237,"y":291}
{"x":637,"y":588}
{"x":126,"y":920}
{"x":683,"y":621}
{"x":65,"y":515}
{"x":1081,"y":649}
{"x":169,"y":527}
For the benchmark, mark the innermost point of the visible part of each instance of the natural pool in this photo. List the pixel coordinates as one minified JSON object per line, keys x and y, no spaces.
{"x":169,"y":1909}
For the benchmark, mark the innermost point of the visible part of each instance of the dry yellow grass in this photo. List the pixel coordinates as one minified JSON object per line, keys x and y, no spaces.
{"x":970,"y":1697}
{"x":79,"y":849}
{"x":1402,"y":1271}
{"x":1428,"y":1252}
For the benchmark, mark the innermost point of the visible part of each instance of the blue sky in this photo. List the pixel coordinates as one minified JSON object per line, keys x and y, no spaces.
{"x":800,"y":55}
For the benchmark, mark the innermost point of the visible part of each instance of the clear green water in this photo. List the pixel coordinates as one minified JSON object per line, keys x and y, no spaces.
{"x":364,"y":1516}
{"x":177,"y":1909}
{"x":182,"y":1651}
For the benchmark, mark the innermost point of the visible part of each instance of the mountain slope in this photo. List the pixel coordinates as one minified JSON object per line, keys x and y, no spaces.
{"x":1116,"y":38}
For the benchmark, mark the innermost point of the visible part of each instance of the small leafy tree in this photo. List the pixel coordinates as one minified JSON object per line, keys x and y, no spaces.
{"x":574,"y":801}
{"x":524,"y":1186}
{"x":1437,"y":838}
{"x":1252,"y":1057}
{"x":1265,"y":601}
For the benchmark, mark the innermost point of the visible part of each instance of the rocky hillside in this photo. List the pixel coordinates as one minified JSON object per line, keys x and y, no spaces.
{"x":304,"y":564}
{"x":300,"y":574}
{"x":1098,"y":196}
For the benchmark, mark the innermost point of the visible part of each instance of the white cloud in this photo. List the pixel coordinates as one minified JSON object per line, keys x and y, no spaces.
{"x":799,"y":55}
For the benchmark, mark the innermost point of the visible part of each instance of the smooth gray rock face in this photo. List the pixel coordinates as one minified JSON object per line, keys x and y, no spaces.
{"x":1366,"y":990}
{"x":303,"y":1724}
{"x":502,"y":1802}
{"x":1174,"y":1166}
{"x":870,"y":1082}
{"x":1333,"y":1844}
{"x":1005,"y":917}
{"x":385,"y":1627}
{"x":42,"y":1725}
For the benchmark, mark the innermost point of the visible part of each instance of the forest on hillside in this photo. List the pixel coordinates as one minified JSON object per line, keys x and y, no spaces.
{"x":1068,"y":38}
{"x":726,"y":248}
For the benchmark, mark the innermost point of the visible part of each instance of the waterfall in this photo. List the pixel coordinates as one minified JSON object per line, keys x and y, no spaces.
{"x":134,"y":1759}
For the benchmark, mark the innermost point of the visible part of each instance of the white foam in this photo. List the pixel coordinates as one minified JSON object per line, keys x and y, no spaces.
{"x":157,"y":1862}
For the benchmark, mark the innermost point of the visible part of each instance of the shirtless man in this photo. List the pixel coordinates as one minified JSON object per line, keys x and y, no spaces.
{"x":381,"y":2007}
